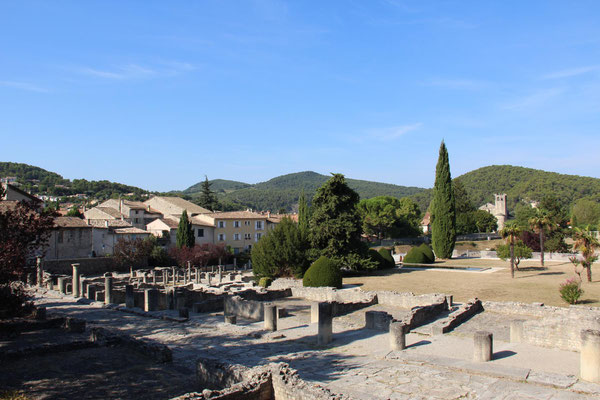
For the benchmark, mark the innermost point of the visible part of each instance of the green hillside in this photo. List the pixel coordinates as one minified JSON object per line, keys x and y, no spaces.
{"x":521,"y":184}
{"x":283,"y":191}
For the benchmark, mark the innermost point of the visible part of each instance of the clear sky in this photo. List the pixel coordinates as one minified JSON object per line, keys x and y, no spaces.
{"x":157,"y":94}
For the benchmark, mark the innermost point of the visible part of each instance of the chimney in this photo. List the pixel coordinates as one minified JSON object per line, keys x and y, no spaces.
{"x":106,"y":223}
{"x":120,"y":206}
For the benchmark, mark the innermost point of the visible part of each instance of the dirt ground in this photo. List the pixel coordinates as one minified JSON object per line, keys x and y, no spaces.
{"x":531,"y":284}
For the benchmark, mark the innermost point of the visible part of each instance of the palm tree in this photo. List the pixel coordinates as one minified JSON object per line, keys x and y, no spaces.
{"x":587,"y":243}
{"x":510,"y":233}
{"x":540,"y":223}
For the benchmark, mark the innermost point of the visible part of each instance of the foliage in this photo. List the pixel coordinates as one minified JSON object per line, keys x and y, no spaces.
{"x":585,"y":212}
{"x":520,"y":251}
{"x":281,"y":252}
{"x":484,"y":221}
{"x":14,"y":299}
{"x":74,"y":212}
{"x":387,"y":257}
{"x":132,"y":252}
{"x":416,"y":256}
{"x":185,"y":233}
{"x":510,"y":233}
{"x":586,"y":243}
{"x":541,"y":223}
{"x":303,"y":216}
{"x":377,"y":258}
{"x":443,"y":215}
{"x":24,"y":233}
{"x":201,"y":254}
{"x":570,"y":291}
{"x":13,"y":395}
{"x":387,"y":217}
{"x":265,"y":282}
{"x":428,"y":252}
{"x":159,"y":257}
{"x":323,"y":272}
{"x":208,"y":199}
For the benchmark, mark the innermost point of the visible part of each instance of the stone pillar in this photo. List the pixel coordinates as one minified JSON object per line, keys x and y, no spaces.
{"x":76,"y":281}
{"x":165,"y":275}
{"x":196,"y":275}
{"x":153,"y":272}
{"x":314,"y":312}
{"x":108,"y":286}
{"x":129,"y":296}
{"x":516,"y":331}
{"x":90,"y":292}
{"x":51,"y":283}
{"x":270,"y":317}
{"x":325,"y":323}
{"x":145,"y":277}
{"x":397,"y":335}
{"x":40,"y":271}
{"x":174,"y":276}
{"x":449,"y":301}
{"x":220,"y":276}
{"x":150,"y":300}
{"x":62,"y":284}
{"x":131,"y":274}
{"x":209,"y":282}
{"x":482,"y":346}
{"x":230,"y":319}
{"x":590,"y":356}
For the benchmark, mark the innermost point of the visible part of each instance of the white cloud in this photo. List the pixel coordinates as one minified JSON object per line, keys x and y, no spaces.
{"x":23,"y":86}
{"x":567,"y":73}
{"x":392,"y":133}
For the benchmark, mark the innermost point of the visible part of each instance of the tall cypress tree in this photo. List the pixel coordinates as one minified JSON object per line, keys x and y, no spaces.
{"x":185,"y":233}
{"x":208,"y":199}
{"x":443,"y":212}
{"x":303,"y":217}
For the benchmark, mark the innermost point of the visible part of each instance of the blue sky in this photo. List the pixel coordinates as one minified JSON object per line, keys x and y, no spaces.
{"x":157,"y":94}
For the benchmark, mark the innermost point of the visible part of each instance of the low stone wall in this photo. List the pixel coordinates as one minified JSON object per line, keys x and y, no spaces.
{"x":157,"y":351}
{"x":423,"y":314}
{"x":457,"y":317}
{"x":87,"y":266}
{"x":407,"y":300}
{"x":547,"y":326}
{"x":250,"y":309}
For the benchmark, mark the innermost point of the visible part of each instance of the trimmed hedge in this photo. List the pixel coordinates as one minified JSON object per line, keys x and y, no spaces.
{"x":323,"y":272}
{"x":376,"y":257}
{"x":416,"y":256}
{"x":265,"y":282}
{"x":388,"y":260}
{"x":425,"y":249}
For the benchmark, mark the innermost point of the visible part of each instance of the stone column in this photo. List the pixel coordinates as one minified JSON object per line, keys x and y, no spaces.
{"x":129,"y":296}
{"x":314,"y":312}
{"x":220,"y":276}
{"x":150,"y":300}
{"x":40,"y":271}
{"x":270,"y":317}
{"x":482,"y":346}
{"x":108,"y":286}
{"x":449,"y":301}
{"x":397,"y":335}
{"x":208,"y":274}
{"x":325,"y":323}
{"x":153,"y":272}
{"x":62,"y":284}
{"x":174,"y":276}
{"x":90,"y":292}
{"x":516,"y":331}
{"x":76,"y":281}
{"x":131,"y":274}
{"x":145,"y":277}
{"x":196,"y":275}
{"x":590,"y":356}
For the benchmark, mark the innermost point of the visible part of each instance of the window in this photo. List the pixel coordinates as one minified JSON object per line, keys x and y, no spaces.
{"x":258,"y":236}
{"x":221,"y":224}
{"x":259,"y":225}
{"x":247,"y":236}
{"x":236,"y":236}
{"x":201,"y":232}
{"x":236,"y":224}
{"x":221,"y":237}
{"x":137,"y":211}
{"x":247,"y":223}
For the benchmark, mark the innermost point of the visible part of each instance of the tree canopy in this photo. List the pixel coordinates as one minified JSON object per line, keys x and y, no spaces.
{"x":389,"y":217}
{"x":443,"y":214}
{"x":208,"y":199}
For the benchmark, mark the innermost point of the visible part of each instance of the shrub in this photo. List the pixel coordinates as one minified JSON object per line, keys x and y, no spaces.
{"x":386,"y":256}
{"x":426,"y":250}
{"x":416,"y":256}
{"x":376,"y":258}
{"x":323,"y":272}
{"x":265,"y":282}
{"x":570,"y":291}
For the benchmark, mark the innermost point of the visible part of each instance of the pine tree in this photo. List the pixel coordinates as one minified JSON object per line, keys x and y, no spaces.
{"x":208,"y":199}
{"x":185,"y":233}
{"x":443,"y":213}
{"x":303,"y":217}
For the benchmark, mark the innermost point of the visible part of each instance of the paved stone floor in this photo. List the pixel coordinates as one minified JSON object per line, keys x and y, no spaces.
{"x":358,"y":362}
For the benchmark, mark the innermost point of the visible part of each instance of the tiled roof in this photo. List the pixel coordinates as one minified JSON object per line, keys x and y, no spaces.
{"x":237,"y":215}
{"x":129,"y":230}
{"x":199,"y":222}
{"x":110,"y":211}
{"x":184,"y":204}
{"x":426,"y":219}
{"x":171,"y":223}
{"x":70,"y":222}
{"x":112,"y":223}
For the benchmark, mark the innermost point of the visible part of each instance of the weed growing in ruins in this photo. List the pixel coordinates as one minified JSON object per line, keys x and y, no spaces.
{"x":570,"y":291}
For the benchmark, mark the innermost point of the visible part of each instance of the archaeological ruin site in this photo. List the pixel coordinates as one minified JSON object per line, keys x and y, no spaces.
{"x":211,"y":333}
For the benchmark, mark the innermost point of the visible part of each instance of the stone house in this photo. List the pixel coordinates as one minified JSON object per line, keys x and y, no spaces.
{"x":13,"y":193}
{"x":173,"y":207}
{"x":70,"y":238}
{"x":203,"y":230}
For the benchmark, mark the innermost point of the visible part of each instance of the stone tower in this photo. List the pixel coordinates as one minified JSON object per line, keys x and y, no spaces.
{"x":500,"y":209}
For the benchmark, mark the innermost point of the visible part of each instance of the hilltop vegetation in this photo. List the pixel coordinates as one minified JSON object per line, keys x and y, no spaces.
{"x":521,"y":184}
{"x":284,"y":191}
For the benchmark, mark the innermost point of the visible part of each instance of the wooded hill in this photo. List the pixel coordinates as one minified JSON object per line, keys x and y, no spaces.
{"x":284,"y":191}
{"x":521,"y":185}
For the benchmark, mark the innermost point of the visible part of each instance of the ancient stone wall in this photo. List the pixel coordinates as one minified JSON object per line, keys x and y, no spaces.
{"x":87,"y":266}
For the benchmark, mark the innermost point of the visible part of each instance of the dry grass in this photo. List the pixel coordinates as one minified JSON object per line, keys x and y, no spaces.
{"x":532,"y":284}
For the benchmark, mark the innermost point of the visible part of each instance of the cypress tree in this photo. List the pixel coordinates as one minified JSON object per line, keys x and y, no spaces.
{"x":208,"y":199}
{"x":303,"y":217}
{"x":443,"y":213}
{"x":185,"y":233}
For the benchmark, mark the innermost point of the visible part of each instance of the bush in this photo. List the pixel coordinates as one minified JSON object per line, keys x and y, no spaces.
{"x":570,"y":291}
{"x":323,"y":272}
{"x":265,"y":282}
{"x":426,"y":250}
{"x":377,"y":258}
{"x":386,"y":256}
{"x":416,"y":256}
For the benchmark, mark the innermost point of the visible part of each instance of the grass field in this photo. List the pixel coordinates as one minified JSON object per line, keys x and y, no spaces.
{"x":532,"y":284}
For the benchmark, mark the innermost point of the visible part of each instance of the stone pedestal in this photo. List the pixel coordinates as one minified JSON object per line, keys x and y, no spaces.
{"x":230,"y":319}
{"x":482,"y":346}
{"x":108,"y":287}
{"x":516,"y":331}
{"x":379,"y":320}
{"x":40,"y":272}
{"x":397,"y":336}
{"x":150,"y":300}
{"x":129,"y":296}
{"x":325,"y":323}
{"x":590,"y":356}
{"x":90,"y":292}
{"x":270,"y":317}
{"x":62,"y":284}
{"x":314,"y":312}
{"x":449,"y":301}
{"x":76,"y":281}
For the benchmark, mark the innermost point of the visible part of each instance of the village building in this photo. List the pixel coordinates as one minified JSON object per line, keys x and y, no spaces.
{"x":498,"y":209}
{"x":70,"y":238}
